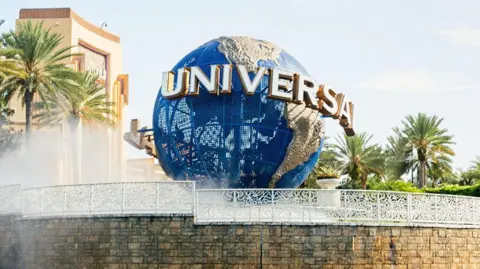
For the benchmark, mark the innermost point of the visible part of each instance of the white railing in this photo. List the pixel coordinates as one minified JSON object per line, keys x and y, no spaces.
{"x":356,"y":207}
{"x":10,"y":199}
{"x":109,"y":198}
{"x":335,"y":206}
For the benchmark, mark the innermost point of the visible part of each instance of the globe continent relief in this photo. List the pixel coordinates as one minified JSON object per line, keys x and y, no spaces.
{"x":235,"y":140}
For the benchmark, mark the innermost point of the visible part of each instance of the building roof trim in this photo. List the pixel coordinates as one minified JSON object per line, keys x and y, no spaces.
{"x":64,"y":13}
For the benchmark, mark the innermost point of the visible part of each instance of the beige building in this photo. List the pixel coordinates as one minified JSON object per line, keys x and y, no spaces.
{"x":103,"y":155}
{"x":144,"y":170}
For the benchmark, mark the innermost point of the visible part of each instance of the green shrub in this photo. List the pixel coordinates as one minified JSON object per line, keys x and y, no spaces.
{"x":393,"y":185}
{"x":350,"y":185}
{"x":403,"y":186}
{"x":456,"y":190}
{"x":400,"y":185}
{"x":310,"y":182}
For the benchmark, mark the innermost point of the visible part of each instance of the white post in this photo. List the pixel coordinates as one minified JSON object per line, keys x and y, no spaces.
{"x":91,"y":198}
{"x":156,"y":196}
{"x":378,"y":207}
{"x":457,"y":209}
{"x":472,"y":207}
{"x":273,"y":205}
{"x":22,"y":202}
{"x":250,"y":214}
{"x":475,"y":207}
{"x":123,"y":200}
{"x":208,"y":210}
{"x":345,"y":203}
{"x":409,"y":208}
{"x":234,"y":205}
{"x":194,"y":202}
{"x":64,"y":200}
{"x":310,"y":205}
{"x":303,"y":214}
{"x":41,"y":202}
{"x":435,"y":208}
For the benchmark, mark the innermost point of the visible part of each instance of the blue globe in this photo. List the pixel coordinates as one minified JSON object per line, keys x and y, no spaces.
{"x":237,"y":141}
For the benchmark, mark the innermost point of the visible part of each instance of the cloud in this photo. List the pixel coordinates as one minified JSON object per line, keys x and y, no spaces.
{"x":463,"y":36}
{"x":414,"y":81}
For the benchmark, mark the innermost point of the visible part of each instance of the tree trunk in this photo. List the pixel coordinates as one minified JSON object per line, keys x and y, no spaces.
{"x":364,"y":182}
{"x":422,"y":179}
{"x":76,"y":150}
{"x":355,"y":176}
{"x":28,"y":114}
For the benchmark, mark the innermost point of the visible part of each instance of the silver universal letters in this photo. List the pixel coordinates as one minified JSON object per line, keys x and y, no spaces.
{"x":168,"y":81}
{"x":198,"y":77}
{"x":282,"y":85}
{"x":250,"y":86}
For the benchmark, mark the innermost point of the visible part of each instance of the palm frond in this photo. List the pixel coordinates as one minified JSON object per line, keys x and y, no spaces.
{"x":359,"y":157}
{"x":86,"y":103}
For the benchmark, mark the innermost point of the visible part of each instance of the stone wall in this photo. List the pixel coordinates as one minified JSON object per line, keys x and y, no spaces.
{"x":175,"y":242}
{"x":8,"y":242}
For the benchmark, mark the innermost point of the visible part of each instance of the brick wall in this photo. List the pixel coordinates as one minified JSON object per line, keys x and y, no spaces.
{"x":175,"y":242}
{"x":8,"y":242}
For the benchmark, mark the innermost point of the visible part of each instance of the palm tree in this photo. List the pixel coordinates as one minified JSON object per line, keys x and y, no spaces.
{"x":329,"y":157}
{"x":8,"y":63}
{"x":87,"y":106}
{"x":472,"y":175}
{"x":469,"y":177}
{"x":397,"y":161}
{"x":439,"y":170}
{"x":9,"y":138}
{"x":476,"y":164}
{"x":327,"y":165}
{"x":326,"y":172}
{"x":359,"y":158}
{"x":427,"y":141}
{"x":5,"y":112}
{"x":40,"y":66}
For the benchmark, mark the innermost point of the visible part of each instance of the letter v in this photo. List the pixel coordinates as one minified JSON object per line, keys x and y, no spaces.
{"x":249,"y":87}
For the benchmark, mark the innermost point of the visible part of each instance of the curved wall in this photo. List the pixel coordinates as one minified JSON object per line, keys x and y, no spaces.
{"x":176,"y":242}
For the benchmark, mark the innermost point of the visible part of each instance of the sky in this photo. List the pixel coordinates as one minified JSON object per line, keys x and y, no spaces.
{"x":392,"y":58}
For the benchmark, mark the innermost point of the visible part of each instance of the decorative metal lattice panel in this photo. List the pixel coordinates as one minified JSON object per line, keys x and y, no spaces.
{"x":244,"y":205}
{"x":109,"y":198}
{"x":78,"y":199}
{"x":10,"y":199}
{"x":336,"y":206}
